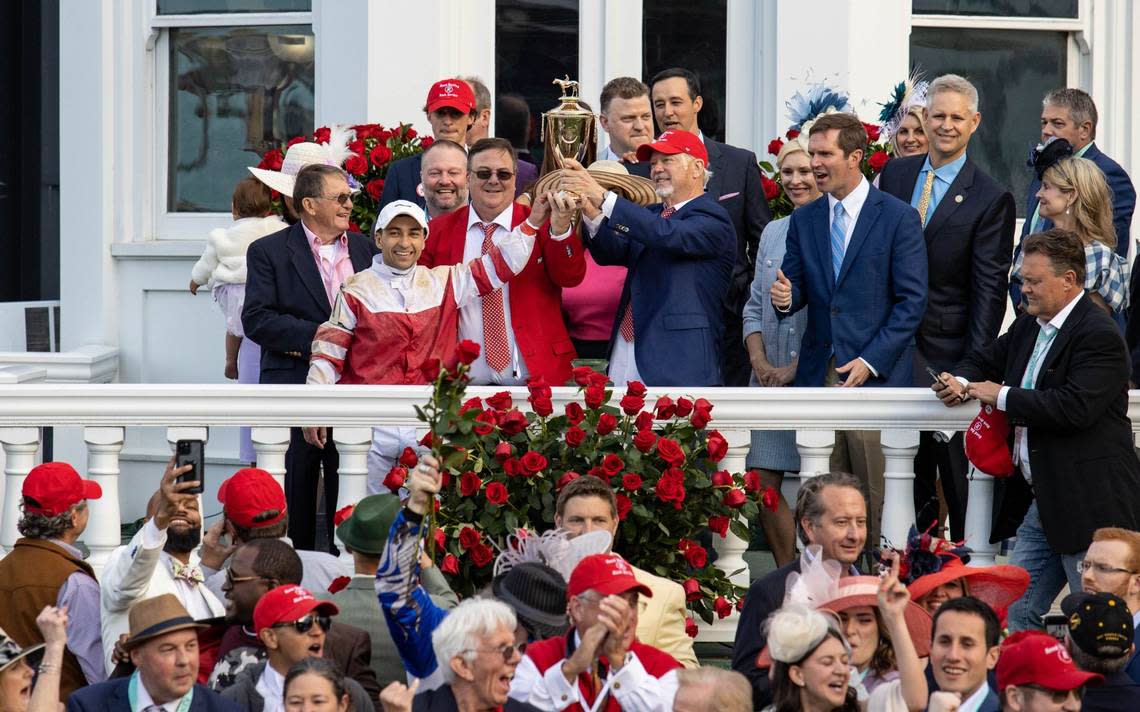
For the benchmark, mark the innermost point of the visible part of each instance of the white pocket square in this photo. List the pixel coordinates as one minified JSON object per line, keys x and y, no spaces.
{"x":726,"y":196}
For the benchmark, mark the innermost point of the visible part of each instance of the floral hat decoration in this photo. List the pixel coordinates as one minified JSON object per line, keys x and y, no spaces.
{"x":807,"y":106}
{"x":905,"y":96}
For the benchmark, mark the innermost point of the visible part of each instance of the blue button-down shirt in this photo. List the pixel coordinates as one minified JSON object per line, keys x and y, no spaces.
{"x":943,"y":177}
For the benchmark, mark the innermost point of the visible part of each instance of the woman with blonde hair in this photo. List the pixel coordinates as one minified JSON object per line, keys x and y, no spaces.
{"x":910,"y":137}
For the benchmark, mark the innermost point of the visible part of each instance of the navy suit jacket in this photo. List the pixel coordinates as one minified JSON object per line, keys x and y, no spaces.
{"x":1118,"y":692}
{"x":765,"y":595}
{"x":874,"y":309}
{"x":403,"y":178}
{"x":112,"y":696}
{"x":679,"y":273}
{"x":285,"y":299}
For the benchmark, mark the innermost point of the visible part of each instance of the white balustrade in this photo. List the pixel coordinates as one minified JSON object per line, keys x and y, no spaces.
{"x":271,"y":444}
{"x":352,"y":472}
{"x":103,"y":527}
{"x":977,"y":529}
{"x":20,"y":447}
{"x":899,"y":449}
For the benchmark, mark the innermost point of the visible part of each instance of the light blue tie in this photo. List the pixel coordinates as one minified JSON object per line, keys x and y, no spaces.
{"x":838,"y":238}
{"x":1044,"y":339}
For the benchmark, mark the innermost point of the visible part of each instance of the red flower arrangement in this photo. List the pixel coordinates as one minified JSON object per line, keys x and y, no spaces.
{"x":506,"y":468}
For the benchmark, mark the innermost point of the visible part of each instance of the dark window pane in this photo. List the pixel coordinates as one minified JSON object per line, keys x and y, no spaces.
{"x":1012,"y":69}
{"x":536,"y":42}
{"x":683,"y":33}
{"x":198,"y":7}
{"x":993,"y":8}
{"x":235,"y":92}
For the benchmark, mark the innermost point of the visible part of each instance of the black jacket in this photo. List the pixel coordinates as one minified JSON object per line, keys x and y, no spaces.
{"x":442,"y":699}
{"x":1118,"y":693}
{"x":765,"y":595}
{"x":244,"y":692}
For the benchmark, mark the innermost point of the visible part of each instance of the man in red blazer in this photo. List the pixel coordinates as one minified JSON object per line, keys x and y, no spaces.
{"x":520,"y":327}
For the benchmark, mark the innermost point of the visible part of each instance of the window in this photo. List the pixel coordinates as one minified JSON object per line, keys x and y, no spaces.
{"x":681,"y":33}
{"x":536,"y":42}
{"x":997,"y":8}
{"x":197,"y":7}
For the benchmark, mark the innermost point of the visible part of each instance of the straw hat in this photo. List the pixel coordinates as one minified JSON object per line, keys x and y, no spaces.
{"x":11,"y":652}
{"x":611,"y":175}
{"x":152,"y":617}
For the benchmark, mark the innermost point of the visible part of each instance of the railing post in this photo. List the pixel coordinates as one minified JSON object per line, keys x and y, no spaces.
{"x":730,"y":549}
{"x":271,"y":445}
{"x":979,"y":517}
{"x":899,"y":449}
{"x":20,"y":447}
{"x":352,"y":444}
{"x":104,"y":528}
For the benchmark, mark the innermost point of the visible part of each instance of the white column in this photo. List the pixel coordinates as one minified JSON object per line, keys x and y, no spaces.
{"x":352,"y":444}
{"x":103,"y":532}
{"x":730,"y":549}
{"x":271,"y":445}
{"x":815,"y":448}
{"x":978,"y":518}
{"x":899,"y":449}
{"x":20,"y":447}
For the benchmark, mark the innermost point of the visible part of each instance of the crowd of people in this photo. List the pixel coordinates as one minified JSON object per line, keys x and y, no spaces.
{"x":665,"y":246}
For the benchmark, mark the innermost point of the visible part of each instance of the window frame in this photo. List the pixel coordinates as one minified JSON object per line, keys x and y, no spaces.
{"x":170,"y":225}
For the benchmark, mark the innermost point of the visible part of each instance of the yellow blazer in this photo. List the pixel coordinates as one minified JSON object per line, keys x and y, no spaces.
{"x":661,"y":619}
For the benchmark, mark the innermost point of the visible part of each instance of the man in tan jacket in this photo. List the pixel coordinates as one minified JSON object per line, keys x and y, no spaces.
{"x":587,"y":504}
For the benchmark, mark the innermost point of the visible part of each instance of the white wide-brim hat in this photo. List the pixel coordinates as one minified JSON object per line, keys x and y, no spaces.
{"x":297,"y":157}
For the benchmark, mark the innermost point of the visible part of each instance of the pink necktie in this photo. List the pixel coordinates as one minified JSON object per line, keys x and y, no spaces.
{"x":626,"y":327}
{"x":495,"y":343}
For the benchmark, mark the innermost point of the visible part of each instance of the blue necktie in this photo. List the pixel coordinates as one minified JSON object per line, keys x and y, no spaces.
{"x":838,"y":238}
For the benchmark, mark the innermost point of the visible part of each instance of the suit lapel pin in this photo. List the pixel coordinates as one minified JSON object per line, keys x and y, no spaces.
{"x":958,"y":198}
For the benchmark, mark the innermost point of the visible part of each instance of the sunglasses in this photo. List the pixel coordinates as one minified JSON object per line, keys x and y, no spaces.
{"x":342,"y":199}
{"x":507,"y":651}
{"x":305,"y":624}
{"x":231,"y":580}
{"x":1057,"y":696}
{"x":503,"y":174}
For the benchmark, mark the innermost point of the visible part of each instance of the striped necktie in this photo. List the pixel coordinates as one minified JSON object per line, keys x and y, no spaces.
{"x":838,"y":239}
{"x":495,"y":342}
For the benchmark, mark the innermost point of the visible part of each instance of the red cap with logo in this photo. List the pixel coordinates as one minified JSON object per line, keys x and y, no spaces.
{"x":675,"y":141}
{"x":1031,"y":657}
{"x":987,"y":446}
{"x":52,"y":488}
{"x":286,"y":604}
{"x":605,"y":573}
{"x":451,"y":93}
{"x":248,"y":495}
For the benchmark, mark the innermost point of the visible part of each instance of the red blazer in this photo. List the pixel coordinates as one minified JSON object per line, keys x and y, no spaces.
{"x":535,"y":295}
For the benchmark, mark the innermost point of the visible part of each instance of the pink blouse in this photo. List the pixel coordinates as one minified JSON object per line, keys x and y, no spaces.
{"x":591,"y":306}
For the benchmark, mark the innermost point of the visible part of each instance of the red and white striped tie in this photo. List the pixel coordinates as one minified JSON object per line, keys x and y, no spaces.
{"x":626,"y":327}
{"x":495,"y":344}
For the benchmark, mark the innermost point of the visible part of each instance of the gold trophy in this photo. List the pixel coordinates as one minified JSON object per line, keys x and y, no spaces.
{"x":568,"y":131}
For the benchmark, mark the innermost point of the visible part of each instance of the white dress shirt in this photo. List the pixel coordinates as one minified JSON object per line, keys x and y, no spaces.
{"x":193,"y":596}
{"x":143,"y":700}
{"x":974,"y":701}
{"x":271,"y":687}
{"x":852,"y":205}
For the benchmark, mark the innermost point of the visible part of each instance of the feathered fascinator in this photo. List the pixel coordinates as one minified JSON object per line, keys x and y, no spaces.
{"x":1048,"y":153}
{"x":928,"y":554}
{"x":805,"y":107}
{"x":906,"y":95}
{"x":554,"y":548}
{"x":816,"y":582}
{"x":796,"y":630}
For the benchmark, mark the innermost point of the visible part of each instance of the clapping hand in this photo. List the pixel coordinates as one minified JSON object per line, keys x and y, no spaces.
{"x":618,"y":617}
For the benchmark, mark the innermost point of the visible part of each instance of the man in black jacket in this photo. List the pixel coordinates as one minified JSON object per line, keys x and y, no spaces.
{"x":1064,"y":367}
{"x":968,"y":223}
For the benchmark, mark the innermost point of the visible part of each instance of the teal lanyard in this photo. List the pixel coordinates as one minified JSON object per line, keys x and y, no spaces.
{"x":133,"y":695}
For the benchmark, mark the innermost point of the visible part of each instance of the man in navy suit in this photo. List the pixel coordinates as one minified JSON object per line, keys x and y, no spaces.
{"x":293,"y":278}
{"x":669,"y":324}
{"x":968,"y":223}
{"x":735,"y":184}
{"x":451,"y":111}
{"x":856,"y":259}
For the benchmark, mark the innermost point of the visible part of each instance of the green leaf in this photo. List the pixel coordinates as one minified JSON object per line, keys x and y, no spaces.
{"x":739,"y":528}
{"x":511,"y":520}
{"x":750,"y":511}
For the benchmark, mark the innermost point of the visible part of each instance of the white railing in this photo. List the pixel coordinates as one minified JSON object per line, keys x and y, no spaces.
{"x":104,"y":411}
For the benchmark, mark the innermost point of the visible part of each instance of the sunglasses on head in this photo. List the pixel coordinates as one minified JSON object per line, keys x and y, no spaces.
{"x":485,"y":174}
{"x":305,"y":624}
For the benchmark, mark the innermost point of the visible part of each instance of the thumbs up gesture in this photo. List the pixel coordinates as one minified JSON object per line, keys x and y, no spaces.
{"x":781,"y":291}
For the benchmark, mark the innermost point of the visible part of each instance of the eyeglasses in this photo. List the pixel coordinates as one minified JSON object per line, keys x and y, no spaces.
{"x":306,"y":624}
{"x":507,"y":651}
{"x":503,"y":174}
{"x":1057,"y":696}
{"x":1102,"y":569}
{"x":342,"y":199}
{"x":231,"y":580}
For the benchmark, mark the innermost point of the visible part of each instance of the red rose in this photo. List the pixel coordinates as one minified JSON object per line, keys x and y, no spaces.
{"x":469,"y":537}
{"x":574,"y":413}
{"x":485,"y":422}
{"x":512,"y":467}
{"x":740,"y":604}
{"x":581,"y":374}
{"x":597,"y":379}
{"x":700,"y":418}
{"x":734,"y":498}
{"x":877,"y":160}
{"x":426,"y":142}
{"x":595,"y":396}
{"x":496,"y":493}
{"x":872,"y":132}
{"x":631,"y":405}
{"x":542,"y":406}
{"x":380,"y":155}
{"x":513,"y":422}
{"x":272,"y":160}
{"x":631,"y":481}
{"x":482,"y":555}
{"x":596,"y":471}
{"x":440,"y":538}
{"x":294,"y":141}
{"x":408,"y":458}
{"x":670,"y":452}
{"x":645,"y":440}
{"x":774,"y":146}
{"x":723,"y":607}
{"x":770,"y":187}
{"x":575,"y":436}
{"x":430,"y":370}
{"x":719,"y":525}
{"x":770,"y":499}
{"x":692,"y":589}
{"x":665,"y":408}
{"x":606,"y":424}
{"x":395,"y":478}
{"x":534,"y":462}
{"x":339,"y":583}
{"x":612,"y":464}
{"x":671,"y":487}
{"x":429,"y":439}
{"x":375,"y":188}
{"x":752,"y":481}
{"x":721,"y":478}
{"x":539,"y":388}
{"x":624,"y":504}
{"x":684,"y":407}
{"x":450,"y":565}
{"x":410,"y":133}
{"x":356,"y":165}
{"x":469,"y":483}
{"x":792,"y":133}
{"x":636,"y":389}
{"x":444,"y":480}
{"x":717,"y":447}
{"x":322,"y":134}
{"x":353,"y":227}
{"x":467,"y":351}
{"x":691,"y":628}
{"x":500,"y":401}
{"x":471,"y":404}
{"x":503,"y":451}
{"x":566,"y":479}
{"x":696,"y":556}
{"x":644,"y":420}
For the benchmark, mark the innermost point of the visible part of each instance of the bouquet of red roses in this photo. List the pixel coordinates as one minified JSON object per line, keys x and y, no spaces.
{"x":503,"y":469}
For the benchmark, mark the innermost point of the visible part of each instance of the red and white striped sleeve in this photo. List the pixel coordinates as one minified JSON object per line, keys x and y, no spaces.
{"x":491,"y":271}
{"x":331,"y":343}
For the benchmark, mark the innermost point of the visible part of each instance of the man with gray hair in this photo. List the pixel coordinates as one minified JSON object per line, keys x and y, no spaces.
{"x":968,"y":222}
{"x":831,"y":512}
{"x":712,"y":689}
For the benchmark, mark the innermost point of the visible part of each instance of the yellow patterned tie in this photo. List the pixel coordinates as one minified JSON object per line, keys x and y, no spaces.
{"x":924,"y":199}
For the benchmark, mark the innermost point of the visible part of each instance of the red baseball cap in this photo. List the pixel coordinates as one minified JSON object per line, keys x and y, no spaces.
{"x":987,"y":446}
{"x":53,"y":487}
{"x":453,"y":93}
{"x":286,"y":604}
{"x":605,"y":573}
{"x":675,"y":141}
{"x":1032,"y":657}
{"x":248,"y":495}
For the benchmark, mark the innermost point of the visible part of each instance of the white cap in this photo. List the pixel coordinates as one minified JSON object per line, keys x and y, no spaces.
{"x":396,"y":208}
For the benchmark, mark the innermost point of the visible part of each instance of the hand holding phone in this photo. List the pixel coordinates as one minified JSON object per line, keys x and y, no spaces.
{"x":191,"y":452}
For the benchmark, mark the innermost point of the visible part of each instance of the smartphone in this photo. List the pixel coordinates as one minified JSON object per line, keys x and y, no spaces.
{"x":937,"y":377}
{"x":191,"y":452}
{"x":1056,"y":625}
